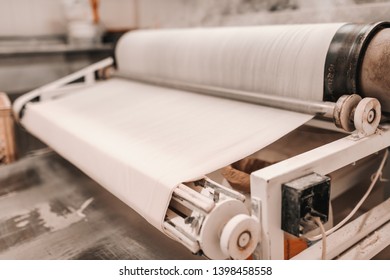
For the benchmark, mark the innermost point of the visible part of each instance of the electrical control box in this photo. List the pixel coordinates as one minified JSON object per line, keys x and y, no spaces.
{"x":302,"y":199}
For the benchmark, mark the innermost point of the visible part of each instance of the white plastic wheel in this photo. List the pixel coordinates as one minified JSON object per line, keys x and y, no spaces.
{"x":343,"y":110}
{"x":240,"y":237}
{"x":367,"y":116}
{"x":215,"y":222}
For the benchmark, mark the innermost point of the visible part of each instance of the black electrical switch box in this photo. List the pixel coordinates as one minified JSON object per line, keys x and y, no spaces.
{"x":302,"y":199}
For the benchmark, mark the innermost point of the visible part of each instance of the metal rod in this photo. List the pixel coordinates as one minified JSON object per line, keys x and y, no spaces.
{"x":188,"y":204}
{"x":207,"y":182}
{"x":192,"y":199}
{"x":173,"y":231}
{"x":323,"y":109}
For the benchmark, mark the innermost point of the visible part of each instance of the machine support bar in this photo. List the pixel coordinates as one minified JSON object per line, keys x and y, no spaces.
{"x":342,"y":113}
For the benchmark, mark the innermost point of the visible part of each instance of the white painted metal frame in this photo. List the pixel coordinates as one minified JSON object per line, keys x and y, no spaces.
{"x":266,"y":183}
{"x":362,"y":238}
{"x":370,"y":246}
{"x":60,"y":86}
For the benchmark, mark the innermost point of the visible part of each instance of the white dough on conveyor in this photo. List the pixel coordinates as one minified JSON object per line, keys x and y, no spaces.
{"x":140,"y":141}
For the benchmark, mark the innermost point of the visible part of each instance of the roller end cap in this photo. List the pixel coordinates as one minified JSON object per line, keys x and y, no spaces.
{"x":367,"y":116}
{"x":240,"y":237}
{"x":344,"y":110}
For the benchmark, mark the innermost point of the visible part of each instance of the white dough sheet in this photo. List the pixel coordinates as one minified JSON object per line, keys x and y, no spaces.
{"x":140,"y":141}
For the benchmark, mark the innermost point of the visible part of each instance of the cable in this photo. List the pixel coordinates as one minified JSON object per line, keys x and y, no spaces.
{"x":346,"y":219}
{"x":317,"y":220}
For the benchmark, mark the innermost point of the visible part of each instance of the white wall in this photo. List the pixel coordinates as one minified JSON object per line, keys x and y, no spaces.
{"x":31,"y":17}
{"x":118,"y":14}
{"x":46,"y":17}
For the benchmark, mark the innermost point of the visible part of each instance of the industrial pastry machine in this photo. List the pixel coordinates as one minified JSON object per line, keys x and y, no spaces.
{"x":337,"y":73}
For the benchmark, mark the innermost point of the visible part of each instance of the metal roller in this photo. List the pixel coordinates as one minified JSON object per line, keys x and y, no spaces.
{"x":358,"y":62}
{"x":356,"y":65}
{"x":212,"y":220}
